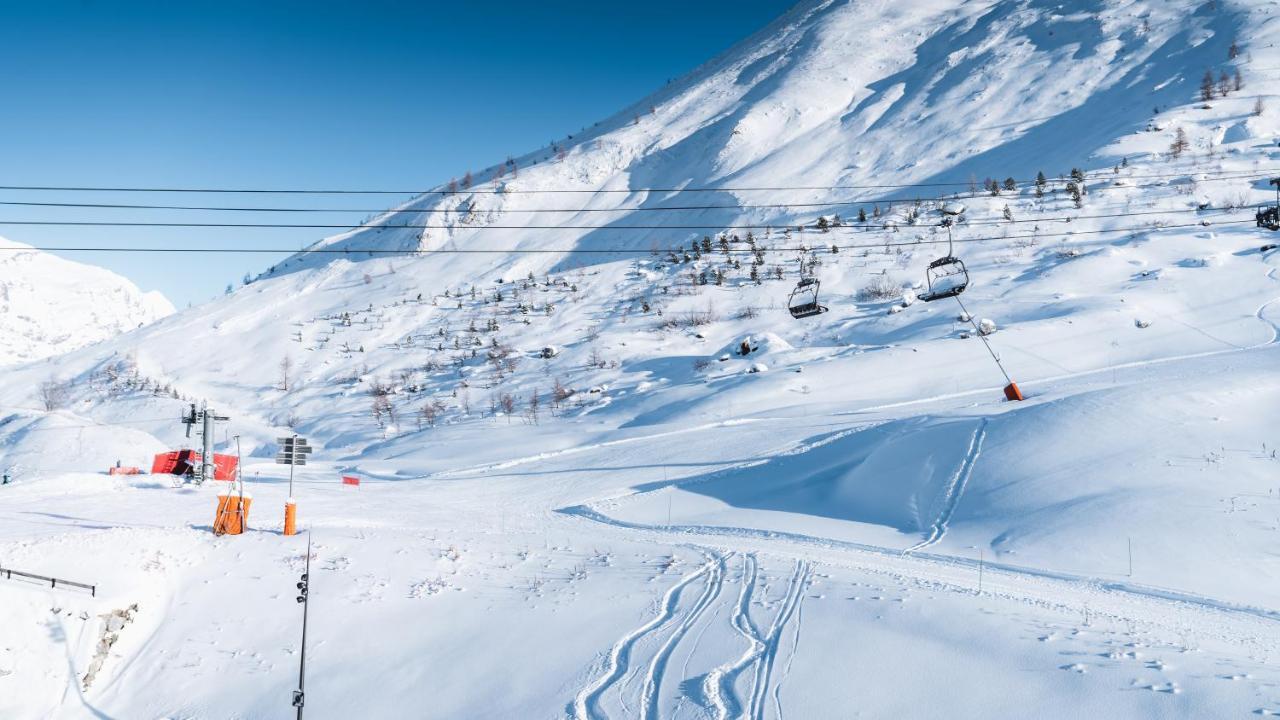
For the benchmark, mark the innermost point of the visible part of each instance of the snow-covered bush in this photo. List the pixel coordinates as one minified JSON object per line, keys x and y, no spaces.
{"x":880,"y":288}
{"x":54,"y":394}
{"x":986,"y":326}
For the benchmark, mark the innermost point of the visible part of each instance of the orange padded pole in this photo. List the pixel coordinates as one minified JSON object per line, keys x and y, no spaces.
{"x":290,"y":518}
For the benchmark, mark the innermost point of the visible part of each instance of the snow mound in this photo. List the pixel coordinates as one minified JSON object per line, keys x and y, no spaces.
{"x":755,"y":345}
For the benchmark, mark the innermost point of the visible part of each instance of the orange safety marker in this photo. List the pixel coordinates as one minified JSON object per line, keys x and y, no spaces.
{"x":1012,"y":393}
{"x":290,"y":517}
{"x":232,"y":516}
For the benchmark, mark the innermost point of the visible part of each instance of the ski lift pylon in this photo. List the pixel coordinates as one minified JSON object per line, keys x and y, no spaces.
{"x":803,"y":301}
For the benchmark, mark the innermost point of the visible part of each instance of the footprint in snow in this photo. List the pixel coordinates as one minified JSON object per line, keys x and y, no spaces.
{"x":428,"y":587}
{"x":1079,"y":668}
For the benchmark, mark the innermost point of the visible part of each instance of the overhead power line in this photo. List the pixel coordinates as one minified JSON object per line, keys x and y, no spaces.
{"x":818,"y":245}
{"x":780,"y":226}
{"x":1260,"y":172}
{"x":119,"y":423}
{"x":81,"y":424}
{"x":673,"y":208}
{"x":394,"y":211}
{"x":402,"y":226}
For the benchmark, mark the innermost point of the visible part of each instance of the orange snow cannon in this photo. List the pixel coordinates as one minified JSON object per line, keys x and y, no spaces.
{"x":1012,"y":393}
{"x":290,"y":518}
{"x":232,"y":516}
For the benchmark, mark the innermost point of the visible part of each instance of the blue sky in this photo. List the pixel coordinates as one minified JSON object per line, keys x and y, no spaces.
{"x":309,"y":94}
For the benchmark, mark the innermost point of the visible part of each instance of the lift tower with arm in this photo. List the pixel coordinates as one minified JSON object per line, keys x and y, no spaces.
{"x":207,"y":420}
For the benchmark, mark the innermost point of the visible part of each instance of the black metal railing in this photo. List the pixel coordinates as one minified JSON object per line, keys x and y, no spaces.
{"x":54,"y":582}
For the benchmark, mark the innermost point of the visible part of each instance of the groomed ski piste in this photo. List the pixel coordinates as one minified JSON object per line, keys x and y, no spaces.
{"x":847,"y":520}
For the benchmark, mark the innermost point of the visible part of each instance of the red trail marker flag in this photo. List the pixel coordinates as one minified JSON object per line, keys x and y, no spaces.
{"x":350,"y":480}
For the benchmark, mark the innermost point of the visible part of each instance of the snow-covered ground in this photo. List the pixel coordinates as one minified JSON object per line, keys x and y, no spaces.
{"x":846,"y":521}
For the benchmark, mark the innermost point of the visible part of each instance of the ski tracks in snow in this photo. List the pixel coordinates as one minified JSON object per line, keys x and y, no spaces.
{"x":1263,"y":314}
{"x":764,"y":666}
{"x":587,"y":704}
{"x":955,"y":488}
{"x":718,"y":686}
{"x":658,"y":666}
{"x":670,"y":629}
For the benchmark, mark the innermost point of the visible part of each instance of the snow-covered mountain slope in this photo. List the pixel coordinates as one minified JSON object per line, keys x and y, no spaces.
{"x":847,"y":515}
{"x":835,"y":97}
{"x":49,"y":305}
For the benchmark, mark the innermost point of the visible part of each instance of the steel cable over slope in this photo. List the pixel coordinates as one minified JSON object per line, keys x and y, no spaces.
{"x":718,"y":227}
{"x":617,"y":251}
{"x":678,"y":208}
{"x":1224,"y":175}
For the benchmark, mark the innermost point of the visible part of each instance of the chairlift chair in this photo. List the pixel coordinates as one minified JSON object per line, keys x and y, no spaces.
{"x":947,"y":277}
{"x":1268,"y":216}
{"x":803,"y":301}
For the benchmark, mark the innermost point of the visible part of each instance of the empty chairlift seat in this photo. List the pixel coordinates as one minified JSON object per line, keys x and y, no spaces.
{"x":803,"y":301}
{"x":947,"y":277}
{"x":1268,"y":217}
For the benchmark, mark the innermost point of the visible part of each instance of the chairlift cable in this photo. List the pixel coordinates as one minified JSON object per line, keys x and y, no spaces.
{"x":983,"y":337}
{"x":782,"y":226}
{"x":1224,"y":174}
{"x":408,"y":226}
{"x":585,"y":251}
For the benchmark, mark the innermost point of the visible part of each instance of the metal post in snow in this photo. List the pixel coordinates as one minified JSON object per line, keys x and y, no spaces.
{"x":1129,"y":540}
{"x":206,"y":456}
{"x":292,"y":461}
{"x":299,"y":695}
{"x":979,"y":571}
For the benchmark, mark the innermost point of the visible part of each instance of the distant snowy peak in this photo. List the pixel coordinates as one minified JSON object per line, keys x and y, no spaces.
{"x":49,"y":305}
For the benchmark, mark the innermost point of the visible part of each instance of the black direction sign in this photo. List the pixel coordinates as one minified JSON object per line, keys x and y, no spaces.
{"x":293,"y":451}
